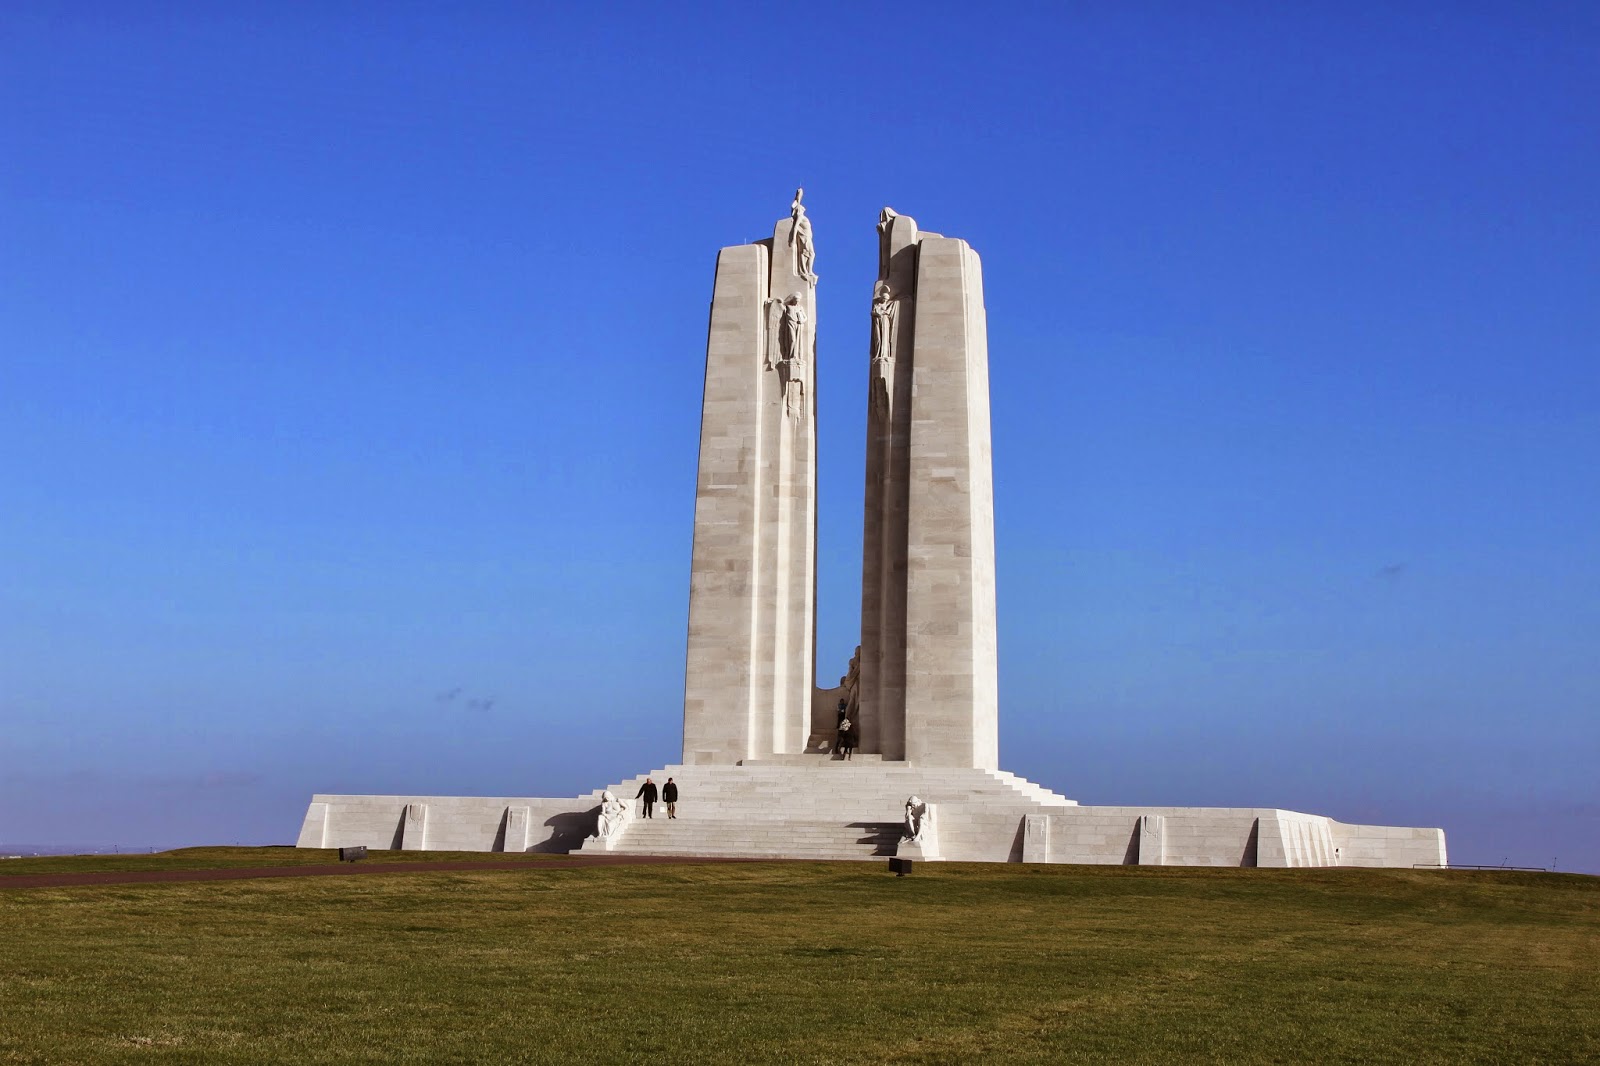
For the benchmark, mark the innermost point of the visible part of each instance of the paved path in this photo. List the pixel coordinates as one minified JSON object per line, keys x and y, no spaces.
{"x":241,"y":873}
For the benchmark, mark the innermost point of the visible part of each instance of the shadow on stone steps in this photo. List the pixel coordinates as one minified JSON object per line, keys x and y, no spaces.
{"x":883,"y":836}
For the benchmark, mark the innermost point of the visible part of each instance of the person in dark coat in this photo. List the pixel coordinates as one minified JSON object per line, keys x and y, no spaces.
{"x":648,"y":791}
{"x":847,"y":737}
{"x":669,"y":796}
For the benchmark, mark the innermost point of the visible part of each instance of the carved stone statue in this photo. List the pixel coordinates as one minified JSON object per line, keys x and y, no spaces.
{"x":788,"y":347}
{"x":613,"y":815}
{"x":774,"y":333}
{"x":885,"y":309}
{"x":885,"y":318}
{"x":792,"y":330}
{"x":916,"y":812}
{"x":886,"y":219}
{"x":793,"y":346}
{"x":805,"y":253}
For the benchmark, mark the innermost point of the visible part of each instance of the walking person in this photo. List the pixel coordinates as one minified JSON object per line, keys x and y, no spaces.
{"x":847,"y":737}
{"x":669,"y":796}
{"x":648,"y":791}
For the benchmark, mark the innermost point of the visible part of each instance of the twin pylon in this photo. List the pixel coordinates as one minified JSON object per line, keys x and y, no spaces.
{"x":925,"y":685}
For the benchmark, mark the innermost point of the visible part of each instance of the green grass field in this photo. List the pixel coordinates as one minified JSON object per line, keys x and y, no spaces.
{"x":799,"y":962}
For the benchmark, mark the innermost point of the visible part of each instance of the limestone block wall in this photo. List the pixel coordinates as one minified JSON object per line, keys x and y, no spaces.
{"x":447,"y":823}
{"x":1232,"y":836}
{"x":1155,"y":836}
{"x":1389,"y":845}
{"x":1173,"y":836}
{"x":987,"y":833}
{"x":1098,"y":835}
{"x":1206,"y":836}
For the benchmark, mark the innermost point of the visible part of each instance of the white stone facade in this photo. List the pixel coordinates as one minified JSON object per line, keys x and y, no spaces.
{"x":757,"y":779}
{"x":822,"y":808}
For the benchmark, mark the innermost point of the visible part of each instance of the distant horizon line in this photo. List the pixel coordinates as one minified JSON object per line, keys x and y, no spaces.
{"x":114,"y":848}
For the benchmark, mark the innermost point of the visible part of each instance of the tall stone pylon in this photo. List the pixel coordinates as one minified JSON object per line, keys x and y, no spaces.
{"x":752,"y":588}
{"x":929,"y":685}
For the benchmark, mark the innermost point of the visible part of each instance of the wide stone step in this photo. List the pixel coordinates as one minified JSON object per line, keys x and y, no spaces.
{"x":819,"y":855}
{"x":817,"y":759}
{"x":740,"y":838}
{"x":662,"y":824}
{"x":814,"y":787}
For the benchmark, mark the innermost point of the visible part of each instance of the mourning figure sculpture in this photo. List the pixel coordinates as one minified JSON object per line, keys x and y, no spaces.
{"x":793,"y":342}
{"x":885,"y":315}
{"x":916,"y":819}
{"x":613,"y":815}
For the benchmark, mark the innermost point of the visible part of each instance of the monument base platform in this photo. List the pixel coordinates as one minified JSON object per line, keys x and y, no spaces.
{"x":822,"y":808}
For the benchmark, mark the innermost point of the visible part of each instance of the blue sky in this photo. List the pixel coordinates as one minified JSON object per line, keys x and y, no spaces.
{"x":351,"y":355}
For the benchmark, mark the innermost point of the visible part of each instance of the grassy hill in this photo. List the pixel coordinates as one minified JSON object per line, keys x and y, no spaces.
{"x":800,"y":962}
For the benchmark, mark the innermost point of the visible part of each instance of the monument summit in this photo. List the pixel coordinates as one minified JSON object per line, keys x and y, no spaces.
{"x":764,"y":771}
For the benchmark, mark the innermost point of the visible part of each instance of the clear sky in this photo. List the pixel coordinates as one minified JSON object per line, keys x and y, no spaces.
{"x":351,"y":356}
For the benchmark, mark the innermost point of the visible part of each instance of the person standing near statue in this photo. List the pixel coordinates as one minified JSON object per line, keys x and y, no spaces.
{"x":648,"y":792}
{"x":669,"y":796}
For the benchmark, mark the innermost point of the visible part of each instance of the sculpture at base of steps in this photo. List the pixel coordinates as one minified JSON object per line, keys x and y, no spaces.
{"x":615,"y":814}
{"x":920,"y":838}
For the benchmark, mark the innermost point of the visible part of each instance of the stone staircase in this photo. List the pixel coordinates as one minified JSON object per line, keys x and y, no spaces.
{"x":768,"y":838}
{"x":816,"y":806}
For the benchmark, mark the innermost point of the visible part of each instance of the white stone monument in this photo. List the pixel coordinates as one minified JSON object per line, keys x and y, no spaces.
{"x":759,"y":777}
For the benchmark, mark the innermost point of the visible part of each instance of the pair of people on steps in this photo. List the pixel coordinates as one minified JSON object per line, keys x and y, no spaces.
{"x":668,"y":794}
